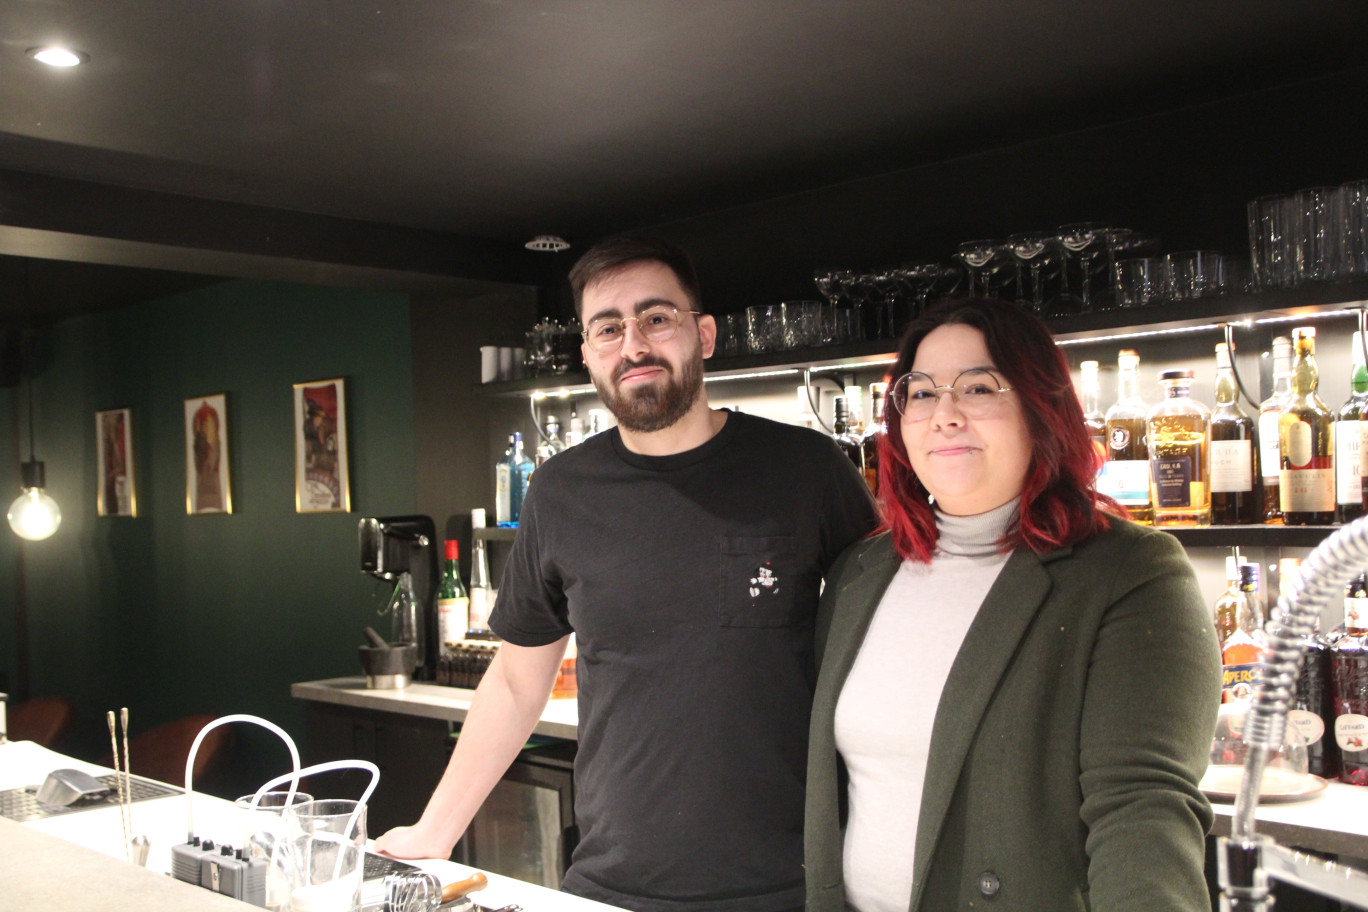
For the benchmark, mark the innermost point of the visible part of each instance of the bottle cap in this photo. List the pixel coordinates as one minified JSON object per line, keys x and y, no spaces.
{"x":1179,"y":373}
{"x":453,"y":549}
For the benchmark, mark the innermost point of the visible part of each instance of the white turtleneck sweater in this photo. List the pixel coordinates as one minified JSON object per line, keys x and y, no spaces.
{"x":888,"y":703}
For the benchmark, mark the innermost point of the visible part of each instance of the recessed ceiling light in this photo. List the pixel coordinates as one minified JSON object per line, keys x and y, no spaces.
{"x":58,"y":56}
{"x":548,"y":242}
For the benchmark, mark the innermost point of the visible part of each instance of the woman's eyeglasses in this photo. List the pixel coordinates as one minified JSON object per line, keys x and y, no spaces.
{"x":977,"y":393}
{"x":657,"y":324}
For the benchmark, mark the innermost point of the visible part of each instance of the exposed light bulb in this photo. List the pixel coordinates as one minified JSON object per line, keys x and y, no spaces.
{"x":34,"y":515}
{"x":58,"y":56}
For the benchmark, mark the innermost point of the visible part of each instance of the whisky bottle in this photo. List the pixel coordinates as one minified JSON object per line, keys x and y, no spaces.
{"x":1125,"y":474}
{"x":874,"y":429}
{"x":1243,"y":650}
{"x":1349,"y":431}
{"x":1306,"y":443}
{"x":1236,"y":487}
{"x":1179,"y":432}
{"x":1227,"y":608}
{"x":1349,"y":685}
{"x":1093,"y":419}
{"x":1270,"y":410}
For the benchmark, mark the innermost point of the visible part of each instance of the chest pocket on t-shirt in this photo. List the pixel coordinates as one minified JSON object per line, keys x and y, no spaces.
{"x":761,"y":583}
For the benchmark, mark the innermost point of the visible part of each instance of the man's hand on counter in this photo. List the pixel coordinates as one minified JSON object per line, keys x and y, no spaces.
{"x":412,"y":842}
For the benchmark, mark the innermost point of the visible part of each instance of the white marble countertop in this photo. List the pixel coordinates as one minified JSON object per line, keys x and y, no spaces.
{"x":75,"y":862}
{"x":1334,"y":820}
{"x":560,"y":719}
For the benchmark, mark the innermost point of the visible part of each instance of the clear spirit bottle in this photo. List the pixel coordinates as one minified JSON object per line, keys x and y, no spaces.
{"x":1270,"y":410}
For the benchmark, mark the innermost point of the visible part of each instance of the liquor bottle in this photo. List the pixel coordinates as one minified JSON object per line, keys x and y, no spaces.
{"x":1349,"y":685}
{"x":1093,"y":419}
{"x":551,"y":443}
{"x":1306,"y":443}
{"x":1349,"y":430}
{"x":1125,"y":474}
{"x":1236,"y":486}
{"x":453,"y":603}
{"x":503,"y":487}
{"x":1312,"y":714}
{"x":1179,"y":432}
{"x":874,"y":429}
{"x":598,"y":421}
{"x":1227,"y":607}
{"x":567,"y":680}
{"x":481,"y":593}
{"x":1270,"y":410}
{"x":844,"y":435}
{"x":575,"y":434}
{"x":520,"y":474}
{"x":1243,"y":649}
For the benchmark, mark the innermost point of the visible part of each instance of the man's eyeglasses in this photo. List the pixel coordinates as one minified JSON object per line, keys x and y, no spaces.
{"x":657,"y":324}
{"x":977,"y":393}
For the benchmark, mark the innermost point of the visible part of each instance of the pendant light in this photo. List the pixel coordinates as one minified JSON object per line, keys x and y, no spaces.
{"x":34,"y":515}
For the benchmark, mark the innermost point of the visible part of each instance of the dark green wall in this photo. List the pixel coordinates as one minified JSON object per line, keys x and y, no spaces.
{"x":171,"y":614}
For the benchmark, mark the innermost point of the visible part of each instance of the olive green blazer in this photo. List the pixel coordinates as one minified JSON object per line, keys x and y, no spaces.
{"x":1070,"y":737}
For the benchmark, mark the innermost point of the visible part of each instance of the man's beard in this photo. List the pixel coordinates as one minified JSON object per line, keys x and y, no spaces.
{"x":652,"y":407}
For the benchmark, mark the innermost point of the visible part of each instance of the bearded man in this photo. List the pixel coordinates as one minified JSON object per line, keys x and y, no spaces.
{"x":685,"y":549}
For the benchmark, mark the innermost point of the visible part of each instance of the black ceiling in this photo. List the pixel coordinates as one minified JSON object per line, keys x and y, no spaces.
{"x":199,"y":134}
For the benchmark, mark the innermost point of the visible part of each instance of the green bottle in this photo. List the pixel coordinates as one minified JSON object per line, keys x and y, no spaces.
{"x":453,"y":603}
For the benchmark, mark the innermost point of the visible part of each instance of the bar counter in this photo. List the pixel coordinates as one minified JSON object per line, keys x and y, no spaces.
{"x":75,"y":862}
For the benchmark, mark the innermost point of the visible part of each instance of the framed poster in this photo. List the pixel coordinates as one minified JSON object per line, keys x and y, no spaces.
{"x":114,"y":464}
{"x":321,"y":479}
{"x":207,"y":487}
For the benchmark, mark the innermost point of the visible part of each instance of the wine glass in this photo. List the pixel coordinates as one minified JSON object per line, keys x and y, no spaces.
{"x":921,"y":280}
{"x":1032,"y":252}
{"x":1084,"y":240}
{"x":982,"y":259}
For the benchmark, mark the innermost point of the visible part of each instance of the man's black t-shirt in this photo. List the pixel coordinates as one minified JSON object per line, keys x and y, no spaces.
{"x":691,"y":583}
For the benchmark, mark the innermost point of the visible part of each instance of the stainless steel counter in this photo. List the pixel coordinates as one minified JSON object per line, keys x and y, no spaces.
{"x":560,"y":719}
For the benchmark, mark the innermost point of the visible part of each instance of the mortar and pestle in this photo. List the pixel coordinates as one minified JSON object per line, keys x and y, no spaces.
{"x":387,"y":667}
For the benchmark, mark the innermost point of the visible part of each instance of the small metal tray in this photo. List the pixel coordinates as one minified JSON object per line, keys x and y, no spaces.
{"x":21,"y":804}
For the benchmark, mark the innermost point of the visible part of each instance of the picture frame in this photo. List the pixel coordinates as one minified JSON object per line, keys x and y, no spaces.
{"x":322,"y":478}
{"x":208,"y":485}
{"x":115,"y":491}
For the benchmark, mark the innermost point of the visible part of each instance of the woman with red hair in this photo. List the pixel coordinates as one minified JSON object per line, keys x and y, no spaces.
{"x":1018,"y":686}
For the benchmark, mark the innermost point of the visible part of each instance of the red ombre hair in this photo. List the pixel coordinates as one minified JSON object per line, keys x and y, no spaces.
{"x":1059,"y":504}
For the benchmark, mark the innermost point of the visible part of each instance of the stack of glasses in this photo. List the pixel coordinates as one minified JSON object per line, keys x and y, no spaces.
{"x":1313,"y":236}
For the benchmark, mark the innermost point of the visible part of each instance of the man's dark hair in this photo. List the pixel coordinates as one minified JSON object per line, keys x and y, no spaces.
{"x":614,"y":254}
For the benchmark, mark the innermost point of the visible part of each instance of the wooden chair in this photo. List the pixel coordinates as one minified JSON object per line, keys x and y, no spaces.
{"x":160,"y":753}
{"x":42,"y":720}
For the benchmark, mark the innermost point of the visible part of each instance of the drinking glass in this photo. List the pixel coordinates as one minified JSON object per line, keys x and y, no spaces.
{"x":1031,"y":250}
{"x":981,"y":259}
{"x":1195,"y":274}
{"x":800,"y":323}
{"x":327,"y":841}
{"x":922,"y":280}
{"x":1084,"y":240}
{"x":1354,"y":227}
{"x":267,"y":838}
{"x":1317,"y":208}
{"x":761,"y":325}
{"x":731,"y":331}
{"x":1139,"y":281}
{"x":1275,"y":241}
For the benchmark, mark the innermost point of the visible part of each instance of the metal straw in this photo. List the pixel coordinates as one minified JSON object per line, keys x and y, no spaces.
{"x":128,"y":785}
{"x":119,"y":783}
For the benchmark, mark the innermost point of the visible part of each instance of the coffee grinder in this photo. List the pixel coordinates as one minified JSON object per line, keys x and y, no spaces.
{"x":402,"y":550}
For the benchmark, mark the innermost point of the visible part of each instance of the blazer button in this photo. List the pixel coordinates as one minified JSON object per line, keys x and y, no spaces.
{"x":988,"y":884}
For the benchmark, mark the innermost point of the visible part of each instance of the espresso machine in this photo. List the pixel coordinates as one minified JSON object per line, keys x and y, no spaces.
{"x":403,"y":550}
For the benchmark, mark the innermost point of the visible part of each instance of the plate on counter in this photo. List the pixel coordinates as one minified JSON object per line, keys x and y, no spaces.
{"x":1222,"y":783}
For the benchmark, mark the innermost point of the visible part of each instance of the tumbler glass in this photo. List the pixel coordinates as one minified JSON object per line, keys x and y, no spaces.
{"x":1139,"y":281}
{"x":327,"y":841}
{"x":1354,"y":227}
{"x":1320,"y":233}
{"x":1195,"y":274}
{"x":761,"y":325}
{"x":1274,"y":241}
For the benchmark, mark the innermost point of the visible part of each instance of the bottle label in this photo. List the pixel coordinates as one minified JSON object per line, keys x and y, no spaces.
{"x":1172,"y":481}
{"x":1348,"y":481}
{"x":1363,"y":448}
{"x":1356,"y":613}
{"x":1232,"y":466}
{"x":1268,"y":445}
{"x":503,"y":493}
{"x":1238,"y":681}
{"x":453,"y":619}
{"x":1307,"y":724}
{"x":1351,"y":732}
{"x":1299,"y":445}
{"x":1306,"y":490}
{"x":1126,"y":481}
{"x":479,"y":609}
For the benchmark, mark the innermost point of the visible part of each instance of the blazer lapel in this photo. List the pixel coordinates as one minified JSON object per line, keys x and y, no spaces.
{"x":988,"y":647}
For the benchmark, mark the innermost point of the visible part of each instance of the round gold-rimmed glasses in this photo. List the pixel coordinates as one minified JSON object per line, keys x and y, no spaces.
{"x":977,"y":393}
{"x":657,"y":324}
